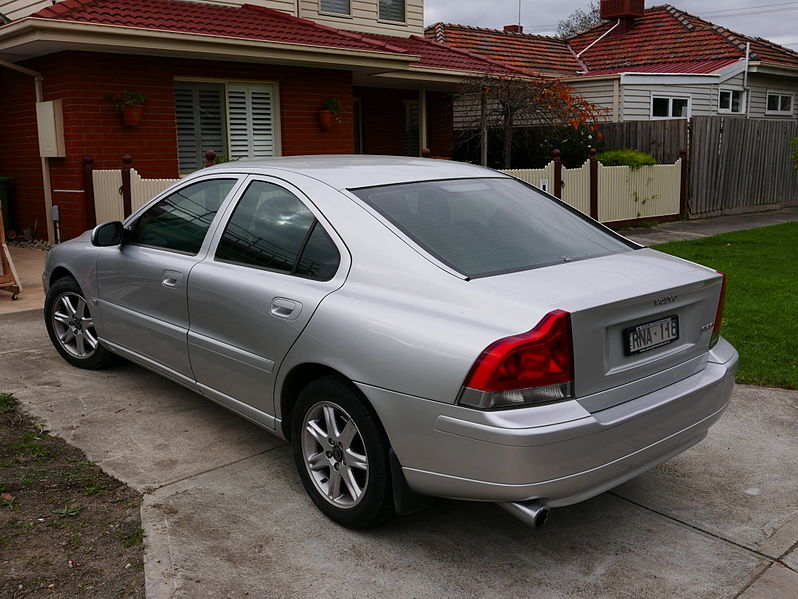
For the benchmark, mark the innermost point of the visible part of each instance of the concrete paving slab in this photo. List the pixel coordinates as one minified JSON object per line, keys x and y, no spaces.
{"x":791,"y":559}
{"x":29,"y":264}
{"x":741,"y":482}
{"x":250,"y":528}
{"x":777,"y":582}
{"x":694,"y":229}
{"x":136,"y":425}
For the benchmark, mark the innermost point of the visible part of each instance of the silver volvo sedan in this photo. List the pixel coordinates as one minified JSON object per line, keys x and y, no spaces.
{"x":414,"y":327}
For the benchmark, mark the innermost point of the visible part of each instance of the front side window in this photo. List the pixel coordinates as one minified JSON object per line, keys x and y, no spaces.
{"x":392,"y":10}
{"x":338,"y":7}
{"x":235,"y":120}
{"x":779,"y":103}
{"x":731,"y":100}
{"x":272,"y":229}
{"x":180,"y":221}
{"x":482,"y":227}
{"x":663,"y":107}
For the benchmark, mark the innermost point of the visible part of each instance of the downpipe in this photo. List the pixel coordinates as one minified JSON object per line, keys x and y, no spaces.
{"x":533,"y":513}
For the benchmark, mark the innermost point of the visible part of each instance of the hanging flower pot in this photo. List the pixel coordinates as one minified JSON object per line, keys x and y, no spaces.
{"x":131,"y":115}
{"x":130,"y":104}
{"x":326,"y":119}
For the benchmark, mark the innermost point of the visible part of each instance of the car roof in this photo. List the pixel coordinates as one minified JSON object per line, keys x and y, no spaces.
{"x":357,"y":170}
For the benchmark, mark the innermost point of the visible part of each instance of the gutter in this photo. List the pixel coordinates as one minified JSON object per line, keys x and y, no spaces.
{"x":38,"y":84}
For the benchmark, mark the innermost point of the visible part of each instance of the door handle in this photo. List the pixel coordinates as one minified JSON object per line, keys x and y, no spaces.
{"x":171,"y":278}
{"x":285,"y":308}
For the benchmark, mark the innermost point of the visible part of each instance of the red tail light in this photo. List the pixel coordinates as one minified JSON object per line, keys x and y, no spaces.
{"x":719,"y":313}
{"x":538,"y":358}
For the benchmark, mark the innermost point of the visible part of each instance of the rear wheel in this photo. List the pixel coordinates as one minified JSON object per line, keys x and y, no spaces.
{"x":71,"y":326}
{"x":341,"y":454}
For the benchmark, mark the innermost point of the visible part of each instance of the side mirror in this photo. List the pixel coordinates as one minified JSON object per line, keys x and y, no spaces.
{"x":108,"y":234}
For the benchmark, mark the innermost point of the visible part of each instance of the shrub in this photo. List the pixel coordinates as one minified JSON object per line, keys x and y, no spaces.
{"x":627,"y":157}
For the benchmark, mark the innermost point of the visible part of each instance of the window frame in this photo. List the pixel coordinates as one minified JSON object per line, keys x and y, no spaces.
{"x":780,"y":95}
{"x":670,"y":99}
{"x":228,"y":211}
{"x":226,"y":83}
{"x":330,"y":13}
{"x":132,"y":221}
{"x":380,"y":19}
{"x":731,"y":91}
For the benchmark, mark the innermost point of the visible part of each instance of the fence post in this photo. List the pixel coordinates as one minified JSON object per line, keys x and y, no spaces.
{"x":557,"y":174}
{"x":594,"y":207}
{"x":88,"y":191}
{"x":683,"y":188}
{"x":127,"y":161}
{"x":210,"y":158}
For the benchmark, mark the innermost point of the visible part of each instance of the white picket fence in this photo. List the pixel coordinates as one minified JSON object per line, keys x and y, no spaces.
{"x":108,"y":192}
{"x":623,"y":193}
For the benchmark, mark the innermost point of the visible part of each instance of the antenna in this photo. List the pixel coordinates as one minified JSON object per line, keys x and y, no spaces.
{"x":519,"y":12}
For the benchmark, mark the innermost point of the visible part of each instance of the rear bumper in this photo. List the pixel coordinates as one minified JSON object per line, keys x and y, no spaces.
{"x":561,"y":453}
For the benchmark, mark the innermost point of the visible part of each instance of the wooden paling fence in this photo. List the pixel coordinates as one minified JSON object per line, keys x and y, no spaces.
{"x":664,"y":140}
{"x":741,"y":163}
{"x":614,"y":194}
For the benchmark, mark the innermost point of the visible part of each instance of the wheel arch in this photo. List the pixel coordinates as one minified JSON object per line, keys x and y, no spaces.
{"x":60,"y":272}
{"x":299,"y":377}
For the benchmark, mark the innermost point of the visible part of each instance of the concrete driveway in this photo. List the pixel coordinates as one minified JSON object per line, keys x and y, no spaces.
{"x":226,"y":516}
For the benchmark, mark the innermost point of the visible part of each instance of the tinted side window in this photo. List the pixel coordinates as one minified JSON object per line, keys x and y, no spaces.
{"x":320,"y":258}
{"x":271,"y":228}
{"x":181,"y":220}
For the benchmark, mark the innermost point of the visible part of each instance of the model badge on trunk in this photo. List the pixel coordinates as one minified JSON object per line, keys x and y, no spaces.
{"x":661,"y":301}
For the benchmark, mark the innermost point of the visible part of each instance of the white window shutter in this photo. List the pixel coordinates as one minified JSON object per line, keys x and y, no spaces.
{"x":251,"y":120}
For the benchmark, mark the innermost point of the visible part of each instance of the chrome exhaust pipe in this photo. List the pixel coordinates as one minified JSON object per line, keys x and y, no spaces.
{"x":533,"y":513}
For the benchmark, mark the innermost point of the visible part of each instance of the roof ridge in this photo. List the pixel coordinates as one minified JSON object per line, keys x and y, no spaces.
{"x":504,"y":66}
{"x":442,"y":25}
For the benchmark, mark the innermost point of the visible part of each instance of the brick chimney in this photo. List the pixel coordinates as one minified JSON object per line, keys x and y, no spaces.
{"x":625,"y":11}
{"x":514,"y":28}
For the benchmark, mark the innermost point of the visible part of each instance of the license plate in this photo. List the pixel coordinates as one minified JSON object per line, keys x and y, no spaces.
{"x":651,"y":335}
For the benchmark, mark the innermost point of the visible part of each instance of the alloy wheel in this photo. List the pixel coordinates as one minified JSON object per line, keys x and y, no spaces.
{"x":73,"y":325}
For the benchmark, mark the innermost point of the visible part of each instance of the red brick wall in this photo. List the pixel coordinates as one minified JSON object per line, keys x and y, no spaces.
{"x":93,"y":127}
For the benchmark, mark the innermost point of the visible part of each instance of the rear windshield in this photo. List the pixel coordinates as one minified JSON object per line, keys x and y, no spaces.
{"x":482,"y":227}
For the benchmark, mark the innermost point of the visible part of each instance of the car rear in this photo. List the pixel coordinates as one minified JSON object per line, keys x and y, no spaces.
{"x":614,"y":363}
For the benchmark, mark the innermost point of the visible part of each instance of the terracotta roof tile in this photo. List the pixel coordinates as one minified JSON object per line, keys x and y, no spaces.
{"x":440,"y":56}
{"x":540,"y":53}
{"x":664,"y":40}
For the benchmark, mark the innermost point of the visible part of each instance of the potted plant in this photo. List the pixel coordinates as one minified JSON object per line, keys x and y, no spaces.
{"x":130,"y":104}
{"x":328,"y":115}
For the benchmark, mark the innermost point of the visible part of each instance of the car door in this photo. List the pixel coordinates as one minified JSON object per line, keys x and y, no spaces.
{"x":142,"y":283}
{"x":271,"y":263}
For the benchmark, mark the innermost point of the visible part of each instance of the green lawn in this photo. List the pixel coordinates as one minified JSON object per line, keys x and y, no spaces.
{"x":761,"y":315}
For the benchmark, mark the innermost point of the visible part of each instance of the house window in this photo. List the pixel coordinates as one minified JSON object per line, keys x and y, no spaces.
{"x":412,"y":138}
{"x":236,"y":120}
{"x":779,"y":103}
{"x":338,"y":7}
{"x":392,"y":10}
{"x":731,"y":100}
{"x":663,"y":107}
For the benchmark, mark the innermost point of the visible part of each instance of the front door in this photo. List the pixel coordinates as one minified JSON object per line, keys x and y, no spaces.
{"x":142,"y":283}
{"x":251,"y":297}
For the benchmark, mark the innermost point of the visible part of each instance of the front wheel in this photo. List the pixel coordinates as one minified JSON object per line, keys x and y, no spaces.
{"x":341,"y":454}
{"x":70,"y":325}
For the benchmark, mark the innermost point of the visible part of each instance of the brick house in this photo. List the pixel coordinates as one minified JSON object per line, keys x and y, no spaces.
{"x":246,"y":80}
{"x":650,"y":64}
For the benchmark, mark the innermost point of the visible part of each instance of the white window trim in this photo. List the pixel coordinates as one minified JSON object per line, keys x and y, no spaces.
{"x":341,"y":15}
{"x":774,"y":92}
{"x":388,"y":21}
{"x":743,"y":100}
{"x":670,"y":99}
{"x":278,"y":139}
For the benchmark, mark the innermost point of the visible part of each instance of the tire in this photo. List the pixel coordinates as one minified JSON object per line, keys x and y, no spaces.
{"x":70,"y":325}
{"x":341,"y":454}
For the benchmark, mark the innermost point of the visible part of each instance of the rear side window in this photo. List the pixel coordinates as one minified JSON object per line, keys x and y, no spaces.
{"x":482,"y":227}
{"x":180,"y":221}
{"x":272,"y":229}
